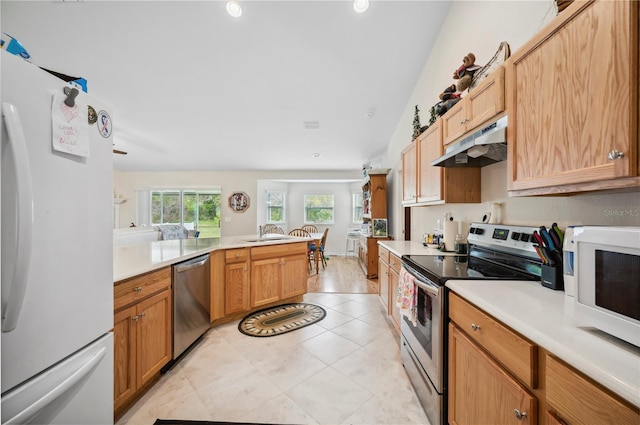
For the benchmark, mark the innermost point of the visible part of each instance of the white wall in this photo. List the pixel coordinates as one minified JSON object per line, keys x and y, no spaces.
{"x":479,"y":27}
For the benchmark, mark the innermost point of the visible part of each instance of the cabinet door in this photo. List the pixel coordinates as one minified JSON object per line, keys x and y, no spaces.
{"x":573,"y":99}
{"x":383,"y":283}
{"x":409,"y":172}
{"x":294,"y":275}
{"x":265,"y":281}
{"x":454,"y":123}
{"x":236,"y":292}
{"x":487,"y":100}
{"x":124,"y":343}
{"x":430,"y":177}
{"x":394,"y":310}
{"x":153,"y":335}
{"x":480,"y":391}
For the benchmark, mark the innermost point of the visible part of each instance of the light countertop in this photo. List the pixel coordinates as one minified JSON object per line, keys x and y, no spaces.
{"x":401,"y":248}
{"x":133,"y":260}
{"x":542,"y":315}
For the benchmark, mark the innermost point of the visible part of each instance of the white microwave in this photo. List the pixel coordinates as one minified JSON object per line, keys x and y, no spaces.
{"x":602,"y":274}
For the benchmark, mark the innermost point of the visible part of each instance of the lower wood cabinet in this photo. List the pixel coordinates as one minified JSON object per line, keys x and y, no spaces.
{"x":388,"y":278}
{"x":142,"y":332}
{"x":497,"y":376}
{"x":383,"y":277}
{"x":236,"y":280}
{"x":480,"y":390}
{"x":368,"y":255}
{"x":278,"y":272}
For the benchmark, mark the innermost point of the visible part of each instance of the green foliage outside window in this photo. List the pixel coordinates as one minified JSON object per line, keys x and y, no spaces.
{"x":318,"y":209}
{"x":196,"y":210}
{"x":275,"y":207}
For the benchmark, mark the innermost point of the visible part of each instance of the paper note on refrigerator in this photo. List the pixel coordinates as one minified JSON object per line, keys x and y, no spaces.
{"x":70,"y":129}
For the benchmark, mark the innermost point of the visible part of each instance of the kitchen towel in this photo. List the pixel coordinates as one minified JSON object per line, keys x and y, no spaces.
{"x":406,"y":297}
{"x":449,"y":235}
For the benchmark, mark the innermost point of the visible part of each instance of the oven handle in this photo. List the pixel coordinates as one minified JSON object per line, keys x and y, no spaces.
{"x":423,"y":282}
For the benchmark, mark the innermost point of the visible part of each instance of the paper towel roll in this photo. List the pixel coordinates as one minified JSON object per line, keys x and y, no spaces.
{"x":449,"y":235}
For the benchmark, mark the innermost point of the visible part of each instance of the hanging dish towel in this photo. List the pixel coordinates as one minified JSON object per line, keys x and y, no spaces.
{"x":406,"y":297}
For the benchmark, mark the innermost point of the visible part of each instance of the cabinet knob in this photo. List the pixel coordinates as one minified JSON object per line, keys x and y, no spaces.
{"x":519,"y":415}
{"x":614,"y":154}
{"x":136,"y":318}
{"x":475,"y":327}
{"x":137,"y":289}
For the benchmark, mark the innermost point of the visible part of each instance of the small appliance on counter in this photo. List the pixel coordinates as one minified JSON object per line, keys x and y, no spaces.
{"x":602,"y":279}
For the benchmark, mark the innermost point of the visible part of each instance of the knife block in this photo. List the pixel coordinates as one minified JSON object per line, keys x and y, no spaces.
{"x":552,"y":277}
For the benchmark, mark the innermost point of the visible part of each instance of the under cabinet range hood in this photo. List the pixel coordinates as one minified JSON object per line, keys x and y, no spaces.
{"x":484,"y":147}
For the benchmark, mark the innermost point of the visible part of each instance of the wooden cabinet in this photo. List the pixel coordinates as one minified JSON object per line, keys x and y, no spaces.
{"x":573,"y":103}
{"x":217,"y":291}
{"x":480,"y":390}
{"x":394,"y":280}
{"x":278,"y":272}
{"x":410,"y":173}
{"x":383,"y":277}
{"x":436,"y":185}
{"x":575,"y":399}
{"x":142,"y":332}
{"x":374,"y":195}
{"x":236,"y":278}
{"x":494,"y":371}
{"x":479,"y":106}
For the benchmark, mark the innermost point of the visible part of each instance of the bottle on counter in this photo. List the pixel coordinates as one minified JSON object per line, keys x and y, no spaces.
{"x":461,"y":244}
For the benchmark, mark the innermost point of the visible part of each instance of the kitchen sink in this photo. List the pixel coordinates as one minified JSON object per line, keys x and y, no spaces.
{"x":267,"y":239}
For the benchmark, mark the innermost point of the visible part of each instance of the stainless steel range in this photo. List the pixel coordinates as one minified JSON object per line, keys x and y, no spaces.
{"x":496,"y":252}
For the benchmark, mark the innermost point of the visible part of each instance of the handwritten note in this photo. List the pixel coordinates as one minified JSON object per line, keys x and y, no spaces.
{"x":70,"y":127}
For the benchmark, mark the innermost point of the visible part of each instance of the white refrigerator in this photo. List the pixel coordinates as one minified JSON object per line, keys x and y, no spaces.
{"x":57,"y":268}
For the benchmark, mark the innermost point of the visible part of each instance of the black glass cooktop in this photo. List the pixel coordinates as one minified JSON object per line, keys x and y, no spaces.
{"x":439,"y":268}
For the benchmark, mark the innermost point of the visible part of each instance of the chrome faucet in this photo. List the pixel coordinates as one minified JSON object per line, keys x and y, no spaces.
{"x":260,"y":234}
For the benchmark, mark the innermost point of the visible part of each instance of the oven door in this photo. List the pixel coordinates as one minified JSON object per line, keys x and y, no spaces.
{"x":426,"y":338}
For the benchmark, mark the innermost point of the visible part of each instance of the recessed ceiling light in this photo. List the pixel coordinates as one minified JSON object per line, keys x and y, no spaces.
{"x":311,"y":125}
{"x":316,"y":155}
{"x":360,"y":6}
{"x":234,"y":9}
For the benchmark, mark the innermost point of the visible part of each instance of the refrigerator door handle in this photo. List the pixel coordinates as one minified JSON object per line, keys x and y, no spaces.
{"x":16,"y":289}
{"x":64,"y":386}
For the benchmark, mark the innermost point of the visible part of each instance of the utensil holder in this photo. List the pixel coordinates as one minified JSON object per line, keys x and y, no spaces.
{"x":552,"y":277}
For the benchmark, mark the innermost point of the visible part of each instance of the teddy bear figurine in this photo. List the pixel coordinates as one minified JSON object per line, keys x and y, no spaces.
{"x":464,"y":74}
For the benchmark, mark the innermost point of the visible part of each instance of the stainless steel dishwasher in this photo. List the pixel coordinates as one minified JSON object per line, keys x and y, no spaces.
{"x":190,"y":302}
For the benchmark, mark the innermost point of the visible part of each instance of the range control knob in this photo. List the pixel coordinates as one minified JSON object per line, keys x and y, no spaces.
{"x":479,"y":231}
{"x":472,"y":230}
{"x":515,"y":236}
{"x":525,"y":237}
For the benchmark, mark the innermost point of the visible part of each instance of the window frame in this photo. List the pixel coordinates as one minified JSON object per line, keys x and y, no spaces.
{"x":357,"y":204}
{"x":306,"y":209}
{"x":181,"y":193}
{"x":269,"y":207}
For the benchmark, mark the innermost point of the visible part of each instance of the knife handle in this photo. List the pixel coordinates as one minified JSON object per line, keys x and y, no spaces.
{"x":547,"y":238}
{"x":558,"y":232}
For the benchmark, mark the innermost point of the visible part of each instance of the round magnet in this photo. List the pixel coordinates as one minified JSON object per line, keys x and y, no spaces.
{"x":104,"y":124}
{"x":92,"y":115}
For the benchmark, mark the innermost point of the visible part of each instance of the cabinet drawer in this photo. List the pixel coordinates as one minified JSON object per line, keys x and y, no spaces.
{"x":577,"y":400}
{"x":271,"y":251}
{"x":395,"y":262}
{"x":131,"y":290}
{"x":238,"y":255}
{"x":517,"y":354}
{"x":383,"y":253}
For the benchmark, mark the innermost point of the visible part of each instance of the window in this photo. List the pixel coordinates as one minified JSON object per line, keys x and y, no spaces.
{"x":318,"y":209}
{"x":276,"y":207}
{"x":194,"y":209}
{"x":357,"y":207}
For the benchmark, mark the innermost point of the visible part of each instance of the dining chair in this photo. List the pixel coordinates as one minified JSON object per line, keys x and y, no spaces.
{"x":279,"y":230}
{"x":303,"y":233}
{"x":310,"y":228}
{"x":267,"y":228}
{"x":320,"y":249}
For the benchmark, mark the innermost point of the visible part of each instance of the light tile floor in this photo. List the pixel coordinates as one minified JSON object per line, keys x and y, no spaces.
{"x":345,"y":369}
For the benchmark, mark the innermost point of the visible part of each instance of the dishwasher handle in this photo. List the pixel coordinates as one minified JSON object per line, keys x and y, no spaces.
{"x":191,"y":265}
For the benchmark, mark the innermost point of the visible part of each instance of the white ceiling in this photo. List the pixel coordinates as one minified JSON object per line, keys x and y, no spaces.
{"x":194,"y":89}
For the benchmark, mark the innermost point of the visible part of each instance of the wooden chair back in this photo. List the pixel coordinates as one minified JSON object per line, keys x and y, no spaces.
{"x":299,"y":232}
{"x":310,"y":228}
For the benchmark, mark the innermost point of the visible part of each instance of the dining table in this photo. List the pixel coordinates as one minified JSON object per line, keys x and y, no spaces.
{"x":317,"y":238}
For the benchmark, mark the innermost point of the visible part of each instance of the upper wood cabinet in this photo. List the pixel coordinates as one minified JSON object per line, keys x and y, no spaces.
{"x":476,"y":108}
{"x":573,"y":102}
{"x":436,"y":185}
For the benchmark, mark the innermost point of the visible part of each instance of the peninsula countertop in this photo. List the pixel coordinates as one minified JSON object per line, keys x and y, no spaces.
{"x":134,"y":260}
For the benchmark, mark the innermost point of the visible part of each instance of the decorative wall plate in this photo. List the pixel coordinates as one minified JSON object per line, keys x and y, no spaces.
{"x":239,"y":201}
{"x":104,"y":124}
